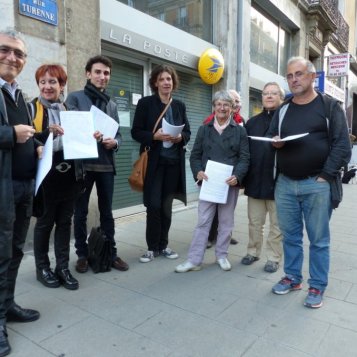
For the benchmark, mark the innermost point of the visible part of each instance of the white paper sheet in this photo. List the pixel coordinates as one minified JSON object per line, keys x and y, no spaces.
{"x":172,"y":130}
{"x":104,"y":123}
{"x":287,"y":138}
{"x":215,"y":189}
{"x":78,"y":140}
{"x":44,"y":164}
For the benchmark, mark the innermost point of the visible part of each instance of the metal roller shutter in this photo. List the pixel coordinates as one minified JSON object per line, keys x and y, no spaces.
{"x":128,"y":78}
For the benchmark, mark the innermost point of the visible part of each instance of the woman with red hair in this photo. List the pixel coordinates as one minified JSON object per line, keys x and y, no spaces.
{"x":60,"y":187}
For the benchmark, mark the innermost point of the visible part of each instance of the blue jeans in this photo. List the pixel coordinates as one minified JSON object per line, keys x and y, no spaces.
{"x":104,"y":182}
{"x":298,"y":201}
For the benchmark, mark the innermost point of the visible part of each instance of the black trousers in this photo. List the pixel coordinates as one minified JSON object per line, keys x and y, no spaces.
{"x":104,"y":182}
{"x":159,"y":207}
{"x":12,"y":240}
{"x":58,"y":211}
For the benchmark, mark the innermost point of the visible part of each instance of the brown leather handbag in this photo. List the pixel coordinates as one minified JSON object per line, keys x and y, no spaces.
{"x":137,"y":176}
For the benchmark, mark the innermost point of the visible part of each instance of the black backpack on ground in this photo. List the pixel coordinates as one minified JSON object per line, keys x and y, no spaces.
{"x":99,"y":251}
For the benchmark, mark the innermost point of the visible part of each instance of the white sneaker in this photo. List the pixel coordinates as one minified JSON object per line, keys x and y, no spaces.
{"x":224,"y":264}
{"x":169,"y":253}
{"x":187,"y":266}
{"x":147,"y":257}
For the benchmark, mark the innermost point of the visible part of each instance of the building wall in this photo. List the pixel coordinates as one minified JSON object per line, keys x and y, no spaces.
{"x":350,"y":16}
{"x":82,"y":38}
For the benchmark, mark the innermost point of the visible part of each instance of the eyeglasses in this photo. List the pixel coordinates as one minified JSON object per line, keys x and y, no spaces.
{"x":224,"y":105}
{"x":5,"y":50}
{"x":266,"y":94}
{"x":296,"y":75}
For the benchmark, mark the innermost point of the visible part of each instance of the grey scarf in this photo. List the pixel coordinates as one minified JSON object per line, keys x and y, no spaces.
{"x":53,"y":110}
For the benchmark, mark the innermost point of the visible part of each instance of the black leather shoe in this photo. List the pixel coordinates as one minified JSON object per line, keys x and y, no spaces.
{"x":17,"y":314}
{"x":47,"y":278}
{"x":66,"y":279}
{"x":5,"y":348}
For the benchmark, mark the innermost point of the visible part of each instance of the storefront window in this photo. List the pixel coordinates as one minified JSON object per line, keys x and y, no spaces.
{"x":269,"y":45}
{"x":255,"y":102}
{"x":192,"y":16}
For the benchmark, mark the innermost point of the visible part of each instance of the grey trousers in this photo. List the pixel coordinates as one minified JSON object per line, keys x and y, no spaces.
{"x":206,"y":212}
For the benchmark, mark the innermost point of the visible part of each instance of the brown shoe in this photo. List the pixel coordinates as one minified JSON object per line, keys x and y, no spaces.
{"x":82,"y":265}
{"x":119,"y":264}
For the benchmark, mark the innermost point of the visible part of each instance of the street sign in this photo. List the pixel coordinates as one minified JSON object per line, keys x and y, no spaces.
{"x":43,"y":10}
{"x":338,"y":65}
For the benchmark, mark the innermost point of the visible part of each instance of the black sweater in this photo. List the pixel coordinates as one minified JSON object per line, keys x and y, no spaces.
{"x":23,"y":155}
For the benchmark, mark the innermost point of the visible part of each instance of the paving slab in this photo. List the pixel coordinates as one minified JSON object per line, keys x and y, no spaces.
{"x":152,"y":311}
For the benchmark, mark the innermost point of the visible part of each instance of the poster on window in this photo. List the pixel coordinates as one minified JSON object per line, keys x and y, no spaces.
{"x":338,"y":65}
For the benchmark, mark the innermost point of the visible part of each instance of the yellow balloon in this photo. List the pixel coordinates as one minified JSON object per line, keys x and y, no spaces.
{"x":211,"y":66}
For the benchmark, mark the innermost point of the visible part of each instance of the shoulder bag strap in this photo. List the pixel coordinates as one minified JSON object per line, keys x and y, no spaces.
{"x":161,"y":115}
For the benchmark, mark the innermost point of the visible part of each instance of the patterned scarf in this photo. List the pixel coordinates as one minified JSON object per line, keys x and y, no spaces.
{"x":53,"y":110}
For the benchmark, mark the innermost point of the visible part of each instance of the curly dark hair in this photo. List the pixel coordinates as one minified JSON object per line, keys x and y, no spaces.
{"x":98,"y":59}
{"x":155,"y":73}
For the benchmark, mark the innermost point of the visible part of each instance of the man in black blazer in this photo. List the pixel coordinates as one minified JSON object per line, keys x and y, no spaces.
{"x":18,"y":153}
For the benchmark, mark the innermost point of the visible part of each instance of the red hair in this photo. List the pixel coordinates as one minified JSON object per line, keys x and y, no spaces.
{"x":54,"y":70}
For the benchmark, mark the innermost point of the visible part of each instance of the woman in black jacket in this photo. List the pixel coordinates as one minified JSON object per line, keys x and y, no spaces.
{"x":165,"y":176}
{"x":61,"y":185}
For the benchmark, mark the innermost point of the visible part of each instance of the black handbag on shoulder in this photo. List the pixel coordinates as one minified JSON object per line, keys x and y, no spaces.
{"x":99,"y":251}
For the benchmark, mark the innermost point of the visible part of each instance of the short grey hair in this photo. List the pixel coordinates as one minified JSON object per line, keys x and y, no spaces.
{"x":222,"y":95}
{"x":11,"y":32}
{"x":310,"y":66}
{"x":281,"y":90}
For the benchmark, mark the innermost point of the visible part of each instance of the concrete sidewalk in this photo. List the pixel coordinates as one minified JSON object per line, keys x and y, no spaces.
{"x":152,"y":311}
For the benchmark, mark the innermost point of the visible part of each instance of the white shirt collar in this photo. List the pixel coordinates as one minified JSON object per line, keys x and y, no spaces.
{"x":10,"y":87}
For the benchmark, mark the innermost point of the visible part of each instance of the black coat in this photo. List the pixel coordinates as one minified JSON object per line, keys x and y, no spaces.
{"x":147,"y":112}
{"x":259,"y":182}
{"x":230,"y":148}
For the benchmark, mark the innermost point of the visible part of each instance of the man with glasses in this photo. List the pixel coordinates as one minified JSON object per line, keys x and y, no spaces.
{"x":259,"y":184}
{"x":18,"y":151}
{"x":307,"y":167}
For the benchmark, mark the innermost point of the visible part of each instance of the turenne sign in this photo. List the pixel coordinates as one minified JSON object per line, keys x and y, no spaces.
{"x":43,"y":10}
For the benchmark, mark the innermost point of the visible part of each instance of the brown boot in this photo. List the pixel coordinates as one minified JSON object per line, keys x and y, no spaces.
{"x":119,"y":264}
{"x":82,"y":265}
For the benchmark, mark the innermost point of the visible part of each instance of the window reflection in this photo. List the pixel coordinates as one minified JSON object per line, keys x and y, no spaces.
{"x":255,"y":102}
{"x":192,"y":16}
{"x":269,"y":45}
